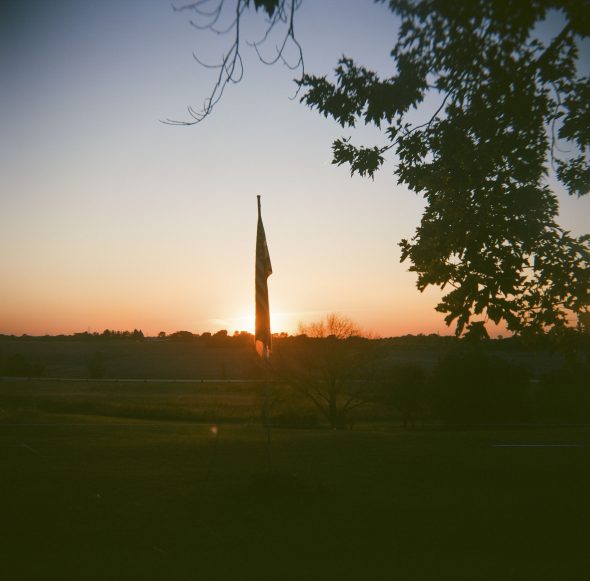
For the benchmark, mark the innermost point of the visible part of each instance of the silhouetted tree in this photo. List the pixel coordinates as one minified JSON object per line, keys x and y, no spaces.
{"x":507,"y":97}
{"x":323,"y":364}
{"x":137,"y":335}
{"x":181,"y":336}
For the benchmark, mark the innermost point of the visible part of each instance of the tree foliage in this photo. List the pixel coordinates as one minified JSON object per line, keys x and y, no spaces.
{"x":507,"y":98}
{"x":512,"y":113}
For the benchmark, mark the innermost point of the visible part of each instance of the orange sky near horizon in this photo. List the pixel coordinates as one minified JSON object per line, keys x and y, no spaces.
{"x":111,"y":219}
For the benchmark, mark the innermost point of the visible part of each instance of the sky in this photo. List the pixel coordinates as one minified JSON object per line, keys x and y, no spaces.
{"x":110,"y":218}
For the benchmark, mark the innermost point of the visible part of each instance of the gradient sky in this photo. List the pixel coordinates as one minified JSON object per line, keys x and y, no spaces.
{"x":111,"y":219}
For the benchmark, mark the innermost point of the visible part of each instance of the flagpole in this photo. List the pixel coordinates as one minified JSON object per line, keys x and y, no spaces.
{"x":262,"y":333}
{"x":267,"y":404}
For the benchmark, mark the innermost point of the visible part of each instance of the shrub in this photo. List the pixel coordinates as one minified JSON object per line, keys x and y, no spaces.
{"x":470,"y":387}
{"x":564,"y":395}
{"x":18,"y":365}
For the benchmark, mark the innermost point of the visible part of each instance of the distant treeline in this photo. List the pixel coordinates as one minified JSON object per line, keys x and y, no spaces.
{"x":570,"y":341}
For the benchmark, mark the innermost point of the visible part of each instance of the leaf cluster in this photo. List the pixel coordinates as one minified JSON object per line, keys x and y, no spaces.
{"x":512,"y":108}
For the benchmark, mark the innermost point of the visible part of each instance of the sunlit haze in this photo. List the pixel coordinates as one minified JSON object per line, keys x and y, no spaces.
{"x":111,"y":219}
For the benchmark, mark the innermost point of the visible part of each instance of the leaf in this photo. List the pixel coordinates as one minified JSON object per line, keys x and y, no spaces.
{"x":269,"y":6}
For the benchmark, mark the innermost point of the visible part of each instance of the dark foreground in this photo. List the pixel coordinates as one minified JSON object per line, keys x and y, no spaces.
{"x":95,"y":497}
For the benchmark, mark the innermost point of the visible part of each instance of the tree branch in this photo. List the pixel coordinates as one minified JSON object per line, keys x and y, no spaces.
{"x":231,"y":67}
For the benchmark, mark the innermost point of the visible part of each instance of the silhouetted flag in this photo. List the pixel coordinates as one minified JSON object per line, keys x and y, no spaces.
{"x":262,"y":336}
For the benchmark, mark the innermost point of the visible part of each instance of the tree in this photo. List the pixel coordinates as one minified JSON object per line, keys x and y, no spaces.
{"x":138,"y":335}
{"x":509,"y":101}
{"x":324,"y":364}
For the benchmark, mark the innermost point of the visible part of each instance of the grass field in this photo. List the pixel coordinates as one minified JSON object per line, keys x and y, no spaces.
{"x":90,"y":495}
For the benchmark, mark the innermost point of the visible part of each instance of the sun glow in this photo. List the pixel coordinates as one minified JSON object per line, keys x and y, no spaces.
{"x":244,"y":323}
{"x":280,"y":322}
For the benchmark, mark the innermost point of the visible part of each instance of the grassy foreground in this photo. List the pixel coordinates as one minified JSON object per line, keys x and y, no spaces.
{"x":88,"y":496}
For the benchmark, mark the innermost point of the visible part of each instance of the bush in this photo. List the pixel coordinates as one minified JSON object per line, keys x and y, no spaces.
{"x":19,"y":366}
{"x":470,"y":387}
{"x":564,"y":395}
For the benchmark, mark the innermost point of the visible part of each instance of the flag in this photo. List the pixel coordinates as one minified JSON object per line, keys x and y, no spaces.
{"x":262,"y":336}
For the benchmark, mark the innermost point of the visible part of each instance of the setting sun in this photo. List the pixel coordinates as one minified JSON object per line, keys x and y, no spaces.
{"x":280,"y":322}
{"x":243,"y":323}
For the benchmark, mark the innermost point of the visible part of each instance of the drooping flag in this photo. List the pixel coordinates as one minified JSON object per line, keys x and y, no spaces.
{"x":262,"y":336}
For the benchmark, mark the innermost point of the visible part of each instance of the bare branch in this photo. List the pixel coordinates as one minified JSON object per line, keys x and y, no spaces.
{"x":231,"y":67}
